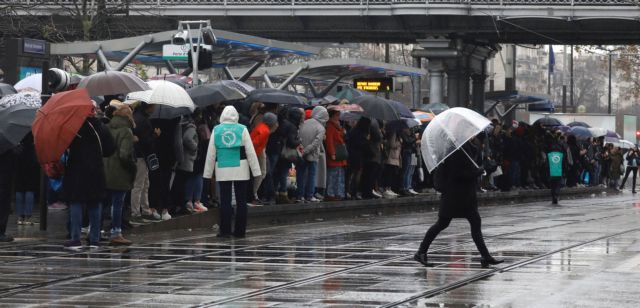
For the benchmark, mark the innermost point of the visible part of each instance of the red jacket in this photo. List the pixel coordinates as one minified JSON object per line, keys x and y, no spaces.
{"x":335,"y":136}
{"x":260,"y":137}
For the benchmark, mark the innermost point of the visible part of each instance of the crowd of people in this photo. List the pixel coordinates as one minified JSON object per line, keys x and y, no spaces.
{"x":134,"y":169}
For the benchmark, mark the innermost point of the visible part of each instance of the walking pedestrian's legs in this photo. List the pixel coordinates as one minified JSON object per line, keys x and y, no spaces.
{"x":555,"y":188}
{"x":431,"y":234}
{"x":226,"y":211}
{"x":476,"y":233}
{"x":240,"y":227}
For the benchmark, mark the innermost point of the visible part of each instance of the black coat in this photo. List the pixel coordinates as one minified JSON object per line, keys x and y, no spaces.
{"x":460,"y":183}
{"x":286,"y":134}
{"x":84,"y":179}
{"x":144,"y":132}
{"x":28,"y":177}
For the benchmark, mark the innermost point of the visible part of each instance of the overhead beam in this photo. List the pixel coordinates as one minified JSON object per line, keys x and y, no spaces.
{"x":103,"y":60}
{"x":293,"y":76}
{"x":250,"y":71}
{"x":228,"y":73}
{"x":329,"y":87}
{"x":132,"y":54}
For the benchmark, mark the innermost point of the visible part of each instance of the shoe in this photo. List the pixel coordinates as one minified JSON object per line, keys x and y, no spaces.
{"x":554,"y":201}
{"x":6,"y":238}
{"x":313,"y":199}
{"x":199,"y":207}
{"x":319,"y":196}
{"x":254,"y":203}
{"x":84,"y":230}
{"x":93,"y":246}
{"x":165,"y":215}
{"x":119,"y":241}
{"x":282,"y":199}
{"x":413,"y":192}
{"x":300,"y":200}
{"x":30,"y":221}
{"x":633,"y":192}
{"x":388,"y":194}
{"x":20,"y":221}
{"x":490,"y":261}
{"x":422,"y":259}
{"x":149,"y":218}
{"x":137,"y":220}
{"x":57,"y":206}
{"x":73,"y":245}
{"x":189,"y":207}
{"x":376,"y":194}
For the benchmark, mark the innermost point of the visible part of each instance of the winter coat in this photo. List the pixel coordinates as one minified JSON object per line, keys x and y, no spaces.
{"x":393,"y":149}
{"x":312,"y":133}
{"x":144,"y":131}
{"x":615,"y":167}
{"x":189,"y":147}
{"x":169,"y":143}
{"x":409,"y":142}
{"x":286,"y":133}
{"x":26,"y":162}
{"x":335,"y":137}
{"x":375,"y":144}
{"x":84,"y":177}
{"x":120,"y":168}
{"x":460,"y":180}
{"x":204,"y":135}
{"x":358,"y":143}
{"x":248,"y":166}
{"x":260,"y":137}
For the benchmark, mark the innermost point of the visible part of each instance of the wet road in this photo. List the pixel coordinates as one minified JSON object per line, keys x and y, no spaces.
{"x":583,"y":253}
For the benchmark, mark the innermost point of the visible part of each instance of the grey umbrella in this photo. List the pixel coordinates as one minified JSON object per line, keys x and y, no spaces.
{"x":214,"y":93}
{"x":6,"y":89}
{"x":112,"y":83}
{"x":377,"y":108}
{"x":275,"y":96}
{"x":17,"y":112}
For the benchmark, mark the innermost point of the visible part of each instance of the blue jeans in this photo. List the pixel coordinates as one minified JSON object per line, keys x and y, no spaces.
{"x":335,"y":182}
{"x":94,"y":211}
{"x":306,"y":178}
{"x":281,"y":176}
{"x":407,"y":171}
{"x":514,"y":173}
{"x":193,"y":187}
{"x":595,"y":175}
{"x":117,"y":202}
{"x":24,"y":203}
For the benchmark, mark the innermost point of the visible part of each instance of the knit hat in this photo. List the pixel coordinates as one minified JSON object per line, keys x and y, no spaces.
{"x":270,"y":119}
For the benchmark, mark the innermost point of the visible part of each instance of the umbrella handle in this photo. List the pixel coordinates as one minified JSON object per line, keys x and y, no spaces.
{"x":473,"y":161}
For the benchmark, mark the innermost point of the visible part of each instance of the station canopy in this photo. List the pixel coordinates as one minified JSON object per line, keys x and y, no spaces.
{"x":230,"y":49}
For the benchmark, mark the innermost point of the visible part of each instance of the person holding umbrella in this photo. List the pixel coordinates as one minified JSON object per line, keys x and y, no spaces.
{"x":449,"y":148}
{"x":633,"y":160}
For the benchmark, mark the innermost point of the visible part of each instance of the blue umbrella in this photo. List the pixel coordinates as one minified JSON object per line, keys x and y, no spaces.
{"x":580,"y":132}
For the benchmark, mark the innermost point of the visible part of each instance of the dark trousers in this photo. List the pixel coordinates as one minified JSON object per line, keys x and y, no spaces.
{"x":159,"y":189}
{"x":370,"y":175}
{"x":555,"y":182}
{"x":5,"y":201}
{"x":626,"y":175}
{"x":226,"y":211}
{"x":443,"y":222}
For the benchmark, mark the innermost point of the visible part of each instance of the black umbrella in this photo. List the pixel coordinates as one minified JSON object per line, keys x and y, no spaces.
{"x":17,"y":112}
{"x":6,"y":89}
{"x":276,"y":96}
{"x":579,"y":124}
{"x":402,"y":109}
{"x":213,"y":94}
{"x":548,"y":122}
{"x":377,"y":108}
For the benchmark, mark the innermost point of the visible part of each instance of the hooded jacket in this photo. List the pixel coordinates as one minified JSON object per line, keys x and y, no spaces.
{"x":189,"y":146}
{"x":120,"y":168}
{"x":312,"y":134}
{"x":248,"y":166}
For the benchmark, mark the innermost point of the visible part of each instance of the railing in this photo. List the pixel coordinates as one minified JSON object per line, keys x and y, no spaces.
{"x":337,"y":2}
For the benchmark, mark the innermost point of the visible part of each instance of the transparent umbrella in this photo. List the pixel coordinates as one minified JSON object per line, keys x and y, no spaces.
{"x":448,"y":132}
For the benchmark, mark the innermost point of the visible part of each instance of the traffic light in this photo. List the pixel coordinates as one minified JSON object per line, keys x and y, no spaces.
{"x":638,"y":134}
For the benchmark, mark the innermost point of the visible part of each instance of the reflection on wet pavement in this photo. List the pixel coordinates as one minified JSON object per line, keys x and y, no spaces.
{"x":352,"y":262}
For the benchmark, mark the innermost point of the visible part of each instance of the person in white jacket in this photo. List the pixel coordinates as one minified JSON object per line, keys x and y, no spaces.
{"x":232,"y":156}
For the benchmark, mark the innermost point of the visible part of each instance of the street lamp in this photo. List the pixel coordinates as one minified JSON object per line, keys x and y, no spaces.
{"x":185,"y":36}
{"x":610,"y":49}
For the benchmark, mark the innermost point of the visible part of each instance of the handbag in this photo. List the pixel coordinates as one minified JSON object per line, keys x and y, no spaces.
{"x":341,"y":152}
{"x":291,"y":154}
{"x":152,"y":162}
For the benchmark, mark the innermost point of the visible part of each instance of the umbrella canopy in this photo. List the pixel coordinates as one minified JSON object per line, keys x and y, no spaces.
{"x":58,"y":122}
{"x":548,"y":122}
{"x":424,"y":117}
{"x":625,"y":144}
{"x":598,"y":131}
{"x":324,"y":100}
{"x":435,"y":108}
{"x":402,"y":109}
{"x":31,"y":82}
{"x":377,"y":108}
{"x":612,"y":134}
{"x":563,"y":128}
{"x":17,"y":112}
{"x":350,"y":94}
{"x":112,"y":83}
{"x":276,"y":96}
{"x":448,"y":132}
{"x":580,"y":124}
{"x":6,"y":89}
{"x":214,"y":93}
{"x":172,"y":100}
{"x":580,"y":132}
{"x":346,"y":107}
{"x":239,"y":85}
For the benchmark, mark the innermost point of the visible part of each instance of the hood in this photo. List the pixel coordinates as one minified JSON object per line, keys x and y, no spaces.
{"x":320,"y":114}
{"x":124,"y":112}
{"x":119,"y":121}
{"x":229,"y":115}
{"x":295,"y":116}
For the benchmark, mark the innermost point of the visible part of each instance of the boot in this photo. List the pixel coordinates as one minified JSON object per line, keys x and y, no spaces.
{"x":485,"y":262}
{"x":422,"y":259}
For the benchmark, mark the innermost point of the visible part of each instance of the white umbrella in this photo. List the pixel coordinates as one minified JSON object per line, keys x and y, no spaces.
{"x":173,"y":100}
{"x":448,"y":132}
{"x":112,"y":83}
{"x":32,"y":82}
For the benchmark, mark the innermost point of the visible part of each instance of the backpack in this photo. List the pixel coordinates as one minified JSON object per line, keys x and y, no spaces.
{"x":439,"y":179}
{"x":55,"y":169}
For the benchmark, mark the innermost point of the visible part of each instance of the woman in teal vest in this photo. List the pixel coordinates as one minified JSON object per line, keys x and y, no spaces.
{"x":556,"y":159}
{"x":232,"y":156}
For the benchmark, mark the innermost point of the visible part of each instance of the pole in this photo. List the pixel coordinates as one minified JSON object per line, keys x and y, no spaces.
{"x":571,"y":79}
{"x":43,"y":180}
{"x":609,"y":101}
{"x":564,"y":98}
{"x":386,"y":60}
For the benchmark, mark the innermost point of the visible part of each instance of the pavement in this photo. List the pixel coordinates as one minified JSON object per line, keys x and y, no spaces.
{"x":582,"y":253}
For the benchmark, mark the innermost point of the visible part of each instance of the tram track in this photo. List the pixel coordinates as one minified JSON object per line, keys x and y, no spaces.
{"x":15,"y":290}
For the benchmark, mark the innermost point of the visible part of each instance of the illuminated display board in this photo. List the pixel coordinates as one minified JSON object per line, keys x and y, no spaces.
{"x":374,"y":84}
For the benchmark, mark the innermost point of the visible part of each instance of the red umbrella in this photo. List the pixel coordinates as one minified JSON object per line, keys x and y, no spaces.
{"x":58,"y":122}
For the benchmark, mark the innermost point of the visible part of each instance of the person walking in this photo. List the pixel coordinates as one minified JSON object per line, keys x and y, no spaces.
{"x":232,"y":156}
{"x":312,"y":134}
{"x":633,"y":159}
{"x":556,"y":160}
{"x":146,"y":159}
{"x":337,"y":156}
{"x":84,"y":181}
{"x":260,"y":137}
{"x":457,"y":179}
{"x":120,"y":168}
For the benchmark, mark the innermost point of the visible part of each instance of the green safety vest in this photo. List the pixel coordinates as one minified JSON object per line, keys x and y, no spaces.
{"x":555,"y":163}
{"x":228,"y":141}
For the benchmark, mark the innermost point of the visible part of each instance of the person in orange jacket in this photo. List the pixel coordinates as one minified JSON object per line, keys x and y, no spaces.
{"x":336,"y":157}
{"x":260,"y":138}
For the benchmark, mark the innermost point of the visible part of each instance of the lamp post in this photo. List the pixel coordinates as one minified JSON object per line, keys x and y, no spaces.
{"x":609,"y":100}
